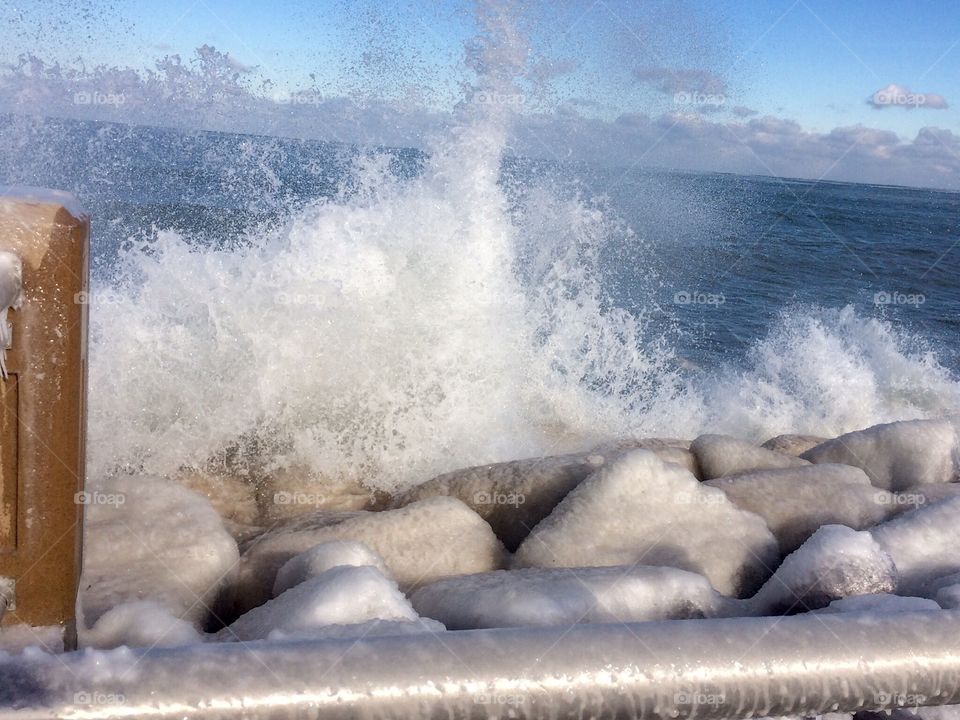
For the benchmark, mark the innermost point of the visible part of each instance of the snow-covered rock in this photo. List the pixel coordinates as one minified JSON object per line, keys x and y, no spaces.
{"x":794,"y":502}
{"x":898,"y":455}
{"x":341,"y":596}
{"x":793,"y":444}
{"x":419,"y":543}
{"x":640,"y":509}
{"x":925,"y":495}
{"x":147,"y":538}
{"x":296,"y":490}
{"x":323,"y":557}
{"x":535,"y":596}
{"x":880,"y":603}
{"x":923,"y":543}
{"x":720,"y":455}
{"x":512,"y":496}
{"x":667,"y":449}
{"x":836,"y":562}
{"x":143,"y":623}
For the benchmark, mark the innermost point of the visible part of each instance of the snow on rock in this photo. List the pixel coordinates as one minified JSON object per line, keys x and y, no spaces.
{"x":793,"y":444}
{"x":535,"y":596}
{"x":147,"y":538}
{"x":923,"y":543}
{"x":836,"y":562}
{"x":640,"y":509}
{"x":419,"y":543}
{"x":925,"y":495}
{"x":356,"y":631}
{"x":341,"y":596}
{"x":720,"y":455}
{"x":142,"y":623}
{"x":323,"y":557}
{"x":512,"y":496}
{"x":17,"y":638}
{"x":881,"y":603}
{"x":898,"y":455}
{"x":667,"y":449}
{"x":794,"y":502}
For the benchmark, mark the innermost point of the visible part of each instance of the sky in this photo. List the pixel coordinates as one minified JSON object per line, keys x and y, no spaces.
{"x":863,"y":90}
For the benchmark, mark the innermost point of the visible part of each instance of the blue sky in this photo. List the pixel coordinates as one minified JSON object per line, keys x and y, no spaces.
{"x":812,"y":62}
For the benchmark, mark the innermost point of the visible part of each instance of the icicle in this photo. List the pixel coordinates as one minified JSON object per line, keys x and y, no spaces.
{"x":11,"y":296}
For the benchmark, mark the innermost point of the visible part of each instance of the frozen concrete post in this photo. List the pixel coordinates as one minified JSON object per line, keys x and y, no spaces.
{"x":45,"y":238}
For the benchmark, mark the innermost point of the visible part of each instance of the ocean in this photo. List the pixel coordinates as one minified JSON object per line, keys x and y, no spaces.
{"x":386,"y":314}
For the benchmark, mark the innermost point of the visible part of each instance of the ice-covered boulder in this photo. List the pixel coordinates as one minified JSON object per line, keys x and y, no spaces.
{"x":512,"y":496}
{"x":793,"y":444}
{"x":343,"y":595}
{"x":922,"y":495}
{"x":142,"y":623}
{"x":536,"y":596}
{"x":667,"y":449}
{"x":147,"y":538}
{"x":794,"y":502}
{"x":721,"y":455}
{"x":640,"y":509}
{"x":923,"y":543}
{"x":419,"y":543}
{"x":836,"y":562}
{"x":356,"y":631}
{"x":880,"y":603}
{"x":323,"y":557}
{"x":898,"y":455}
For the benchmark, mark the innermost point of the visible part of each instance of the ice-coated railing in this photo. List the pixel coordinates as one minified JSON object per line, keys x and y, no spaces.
{"x":731,"y":668}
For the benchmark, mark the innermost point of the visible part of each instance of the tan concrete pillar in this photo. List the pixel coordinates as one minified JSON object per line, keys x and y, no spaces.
{"x":42,"y":407}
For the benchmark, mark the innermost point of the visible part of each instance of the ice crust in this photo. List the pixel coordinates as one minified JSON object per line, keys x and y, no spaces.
{"x":640,"y":509}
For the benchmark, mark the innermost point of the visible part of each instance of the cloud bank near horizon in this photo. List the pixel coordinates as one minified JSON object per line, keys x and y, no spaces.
{"x":218,"y":93}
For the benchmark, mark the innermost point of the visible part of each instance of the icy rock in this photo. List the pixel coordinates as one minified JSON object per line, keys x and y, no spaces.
{"x":793,"y":444}
{"x":720,"y":455}
{"x":640,"y":509}
{"x":948,"y":597}
{"x":297,"y":490}
{"x":667,"y":449}
{"x":836,"y":562}
{"x":898,"y":455}
{"x":323,"y":557}
{"x":370,"y":628}
{"x":923,"y":543}
{"x":341,"y":596}
{"x":513,"y":496}
{"x":140,"y":624}
{"x":881,"y":603}
{"x":794,"y":502}
{"x":147,"y":538}
{"x":535,"y":596}
{"x":419,"y":543}
{"x":233,"y":498}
